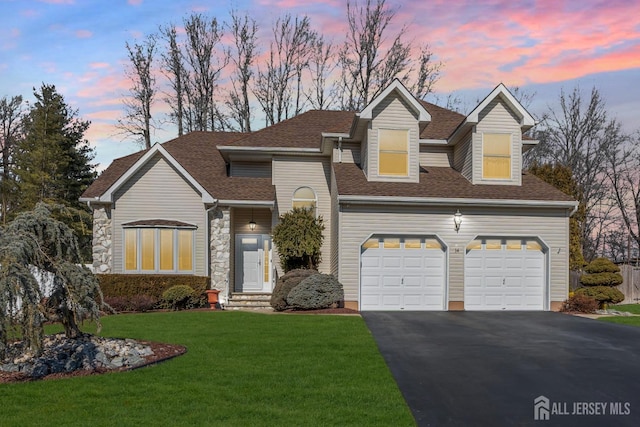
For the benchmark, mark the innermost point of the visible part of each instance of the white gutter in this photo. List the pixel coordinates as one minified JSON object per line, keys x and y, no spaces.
{"x":437,"y":201}
{"x":248,"y":203}
{"x":268,"y":150}
{"x":433,"y":141}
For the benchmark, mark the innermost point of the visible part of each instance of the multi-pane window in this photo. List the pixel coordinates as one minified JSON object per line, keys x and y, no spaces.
{"x":496,"y":156}
{"x":393,"y":152}
{"x":160,"y":250}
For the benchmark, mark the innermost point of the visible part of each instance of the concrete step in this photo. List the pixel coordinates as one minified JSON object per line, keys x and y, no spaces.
{"x":250,"y":297}
{"x":248,"y":308}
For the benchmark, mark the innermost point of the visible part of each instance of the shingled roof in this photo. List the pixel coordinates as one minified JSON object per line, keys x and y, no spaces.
{"x":196,"y":152}
{"x":303,"y":131}
{"x":442,"y":182}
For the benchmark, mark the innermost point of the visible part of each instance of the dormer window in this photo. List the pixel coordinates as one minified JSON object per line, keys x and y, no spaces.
{"x":393,"y":152}
{"x":496,"y":156}
{"x":305,"y":198}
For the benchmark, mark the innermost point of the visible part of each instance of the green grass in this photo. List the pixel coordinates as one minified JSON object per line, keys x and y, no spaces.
{"x":631,"y":320}
{"x":631,"y":308}
{"x":244,"y":369}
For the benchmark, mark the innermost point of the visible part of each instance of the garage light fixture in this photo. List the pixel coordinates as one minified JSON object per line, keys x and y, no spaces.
{"x":457,"y":220}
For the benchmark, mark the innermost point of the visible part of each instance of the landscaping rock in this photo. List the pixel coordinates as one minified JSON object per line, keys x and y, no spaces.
{"x":61,"y":354}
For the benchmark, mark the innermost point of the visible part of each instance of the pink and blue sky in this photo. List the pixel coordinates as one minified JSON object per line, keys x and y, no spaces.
{"x":539,"y":45}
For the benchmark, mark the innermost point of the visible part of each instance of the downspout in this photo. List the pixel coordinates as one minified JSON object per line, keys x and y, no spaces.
{"x":339,"y":149}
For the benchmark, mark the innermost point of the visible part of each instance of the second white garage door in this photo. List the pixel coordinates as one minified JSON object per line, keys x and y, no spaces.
{"x":402,"y":273}
{"x":504,"y":274}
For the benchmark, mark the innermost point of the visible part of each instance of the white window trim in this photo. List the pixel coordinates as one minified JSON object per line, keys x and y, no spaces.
{"x":510,"y":156}
{"x":403,"y":177}
{"x":301,"y":199}
{"x":156,"y":249}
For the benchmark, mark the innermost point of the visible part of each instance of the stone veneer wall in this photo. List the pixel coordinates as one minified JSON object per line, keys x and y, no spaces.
{"x":220,"y":247}
{"x":102,"y":240}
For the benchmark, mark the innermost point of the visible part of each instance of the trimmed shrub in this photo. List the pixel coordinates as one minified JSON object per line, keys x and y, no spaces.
{"x":129,"y":285}
{"x":601,"y":272}
{"x":601,"y":279}
{"x":602,"y":294}
{"x":285,"y":284}
{"x":298,"y":237}
{"x":601,"y":265}
{"x":178,"y":297}
{"x":580,"y":304}
{"x":316,"y":292}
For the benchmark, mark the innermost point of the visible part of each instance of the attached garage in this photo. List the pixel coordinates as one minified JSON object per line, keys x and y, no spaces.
{"x":505,"y":274}
{"x":403,"y":273}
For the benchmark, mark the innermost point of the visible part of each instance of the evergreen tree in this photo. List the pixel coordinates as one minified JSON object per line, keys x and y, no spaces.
{"x":53,"y":161}
{"x":561,"y":177}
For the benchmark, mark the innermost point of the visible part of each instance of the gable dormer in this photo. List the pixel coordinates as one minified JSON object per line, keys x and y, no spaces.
{"x":489,"y":142}
{"x":391,"y":123}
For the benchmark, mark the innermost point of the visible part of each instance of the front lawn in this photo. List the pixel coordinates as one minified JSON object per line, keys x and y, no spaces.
{"x":631,"y":308}
{"x":623,"y":320}
{"x":240,"y":369}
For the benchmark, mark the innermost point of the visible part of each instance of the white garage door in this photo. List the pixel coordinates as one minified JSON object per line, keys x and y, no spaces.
{"x":504,"y":274}
{"x":402,"y":273}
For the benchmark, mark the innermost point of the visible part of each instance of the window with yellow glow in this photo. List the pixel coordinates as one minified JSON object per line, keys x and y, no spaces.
{"x":185,"y":250}
{"x":371,"y":244}
{"x":304,"y":198}
{"x":131,"y":249}
{"x":412,"y":244}
{"x":158,"y":250}
{"x":496,"y":156}
{"x":393,"y":152}
{"x":166,"y":249}
{"x":391,"y":243}
{"x":265,"y":251}
{"x":147,"y":248}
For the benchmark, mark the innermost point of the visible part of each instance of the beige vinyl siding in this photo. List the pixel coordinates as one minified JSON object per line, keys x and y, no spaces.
{"x":393,"y":113}
{"x":350,"y":153}
{"x":291,"y":173}
{"x":497,"y":117}
{"x":240,"y":218}
{"x":251,"y":169}
{"x":463,"y":157}
{"x":157,"y":191}
{"x":435,"y":155}
{"x":357,"y":223}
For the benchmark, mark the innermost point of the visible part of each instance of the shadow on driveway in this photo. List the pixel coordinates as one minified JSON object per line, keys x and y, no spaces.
{"x":486,"y":368}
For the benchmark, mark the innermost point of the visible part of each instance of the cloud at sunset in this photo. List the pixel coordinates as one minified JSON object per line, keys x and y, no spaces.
{"x":481,"y":43}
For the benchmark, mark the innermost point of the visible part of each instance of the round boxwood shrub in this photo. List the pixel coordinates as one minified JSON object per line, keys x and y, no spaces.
{"x":285,"y":284}
{"x":316,"y":292}
{"x":601,"y":272}
{"x":178,"y":297}
{"x":602,"y":294}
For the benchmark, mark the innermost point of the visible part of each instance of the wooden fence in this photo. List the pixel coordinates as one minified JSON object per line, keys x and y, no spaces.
{"x":630,"y":287}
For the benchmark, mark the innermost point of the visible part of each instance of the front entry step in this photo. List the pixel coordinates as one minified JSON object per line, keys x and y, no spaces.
{"x":249,"y":301}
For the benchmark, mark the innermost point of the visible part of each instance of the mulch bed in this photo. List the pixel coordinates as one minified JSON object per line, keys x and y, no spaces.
{"x":324,"y":311}
{"x":161,"y":352}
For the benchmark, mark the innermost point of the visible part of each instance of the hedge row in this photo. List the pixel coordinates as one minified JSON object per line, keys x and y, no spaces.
{"x":128,"y":285}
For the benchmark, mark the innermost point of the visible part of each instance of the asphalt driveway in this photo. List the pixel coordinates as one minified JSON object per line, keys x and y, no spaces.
{"x":486,"y":368}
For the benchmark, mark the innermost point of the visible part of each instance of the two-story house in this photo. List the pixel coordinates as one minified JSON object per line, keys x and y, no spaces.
{"x":424,"y":208}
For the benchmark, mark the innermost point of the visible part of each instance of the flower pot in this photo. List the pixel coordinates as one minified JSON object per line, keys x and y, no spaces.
{"x":212,"y":297}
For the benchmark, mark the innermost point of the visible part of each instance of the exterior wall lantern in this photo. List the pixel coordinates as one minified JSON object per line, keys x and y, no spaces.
{"x":457,"y":220}
{"x":252,"y":223}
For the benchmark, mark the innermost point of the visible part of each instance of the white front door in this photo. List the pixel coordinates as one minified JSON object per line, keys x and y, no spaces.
{"x":402,"y":273}
{"x":504,"y":274}
{"x":253,"y":263}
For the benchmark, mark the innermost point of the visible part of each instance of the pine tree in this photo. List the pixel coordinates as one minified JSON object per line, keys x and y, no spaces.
{"x":53,"y":161}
